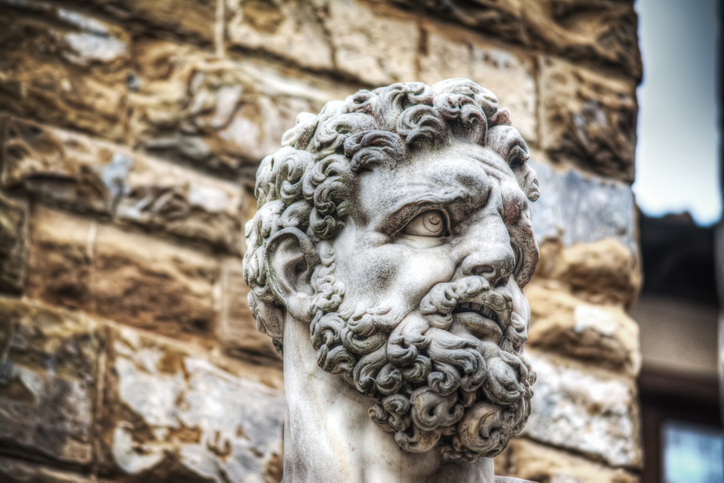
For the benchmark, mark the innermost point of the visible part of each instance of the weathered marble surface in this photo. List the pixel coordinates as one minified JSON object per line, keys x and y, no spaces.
{"x":391,"y":244}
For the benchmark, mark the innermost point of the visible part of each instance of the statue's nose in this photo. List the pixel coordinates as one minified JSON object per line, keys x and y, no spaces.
{"x":494,"y":262}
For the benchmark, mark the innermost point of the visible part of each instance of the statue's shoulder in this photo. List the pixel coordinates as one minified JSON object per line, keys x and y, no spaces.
{"x":507,"y":479}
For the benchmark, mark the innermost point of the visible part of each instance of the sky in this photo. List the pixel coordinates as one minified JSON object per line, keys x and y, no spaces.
{"x":677,"y":156}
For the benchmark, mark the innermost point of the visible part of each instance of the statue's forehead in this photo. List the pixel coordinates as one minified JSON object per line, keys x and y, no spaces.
{"x":465,"y":169}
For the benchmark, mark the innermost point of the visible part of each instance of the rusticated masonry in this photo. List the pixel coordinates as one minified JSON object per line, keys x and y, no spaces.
{"x":131,"y":132}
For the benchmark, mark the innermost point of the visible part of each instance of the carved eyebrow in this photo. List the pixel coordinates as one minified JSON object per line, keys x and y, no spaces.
{"x":409,"y":207}
{"x":446,"y":187}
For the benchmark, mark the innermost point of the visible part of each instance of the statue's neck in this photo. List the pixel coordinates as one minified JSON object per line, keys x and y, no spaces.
{"x":328,"y":436}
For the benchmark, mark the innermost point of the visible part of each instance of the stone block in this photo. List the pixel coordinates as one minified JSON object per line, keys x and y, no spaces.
{"x":194,"y":19}
{"x":60,"y":258}
{"x":47,"y":382}
{"x":287,"y":29}
{"x":153,"y":284}
{"x":598,"y":31}
{"x":508,"y":72}
{"x":502,"y":18}
{"x":63,"y":67}
{"x":19,"y":471}
{"x":562,"y":323}
{"x":577,"y":208}
{"x":215,"y":113}
{"x":62,"y":166}
{"x":92,"y":175}
{"x":373,"y":43}
{"x":535,"y":462}
{"x":13,"y":240}
{"x":127,"y":277}
{"x":350,"y":37}
{"x":586,"y":228}
{"x":585,"y":409}
{"x":602,"y":272}
{"x":170,"y":415}
{"x":588,"y":118}
{"x":182,"y":202}
{"x":237,"y":330}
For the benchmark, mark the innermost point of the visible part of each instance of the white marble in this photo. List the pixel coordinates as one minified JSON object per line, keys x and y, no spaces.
{"x":387,"y":261}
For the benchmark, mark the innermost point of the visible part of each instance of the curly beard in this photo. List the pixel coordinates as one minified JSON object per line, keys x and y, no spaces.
{"x":449,"y":375}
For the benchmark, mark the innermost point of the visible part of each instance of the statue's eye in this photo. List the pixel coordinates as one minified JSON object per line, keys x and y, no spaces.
{"x":429,"y":223}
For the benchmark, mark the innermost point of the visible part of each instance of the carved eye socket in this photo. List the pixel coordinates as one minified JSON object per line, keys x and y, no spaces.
{"x":430,"y":223}
{"x":518,"y":257}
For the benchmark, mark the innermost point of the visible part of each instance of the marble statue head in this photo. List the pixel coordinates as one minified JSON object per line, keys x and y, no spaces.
{"x":397,"y":224}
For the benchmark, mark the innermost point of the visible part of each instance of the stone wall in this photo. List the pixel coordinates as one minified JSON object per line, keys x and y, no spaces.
{"x":131,"y":131}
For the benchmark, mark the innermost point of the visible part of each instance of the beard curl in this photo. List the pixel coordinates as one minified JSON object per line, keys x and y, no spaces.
{"x":434,"y":388}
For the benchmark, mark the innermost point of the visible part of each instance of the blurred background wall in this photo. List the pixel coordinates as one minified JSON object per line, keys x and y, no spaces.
{"x":131,"y":132}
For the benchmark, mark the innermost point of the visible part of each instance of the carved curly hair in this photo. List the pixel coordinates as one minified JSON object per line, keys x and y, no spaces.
{"x":304,"y":184}
{"x":431,"y":387}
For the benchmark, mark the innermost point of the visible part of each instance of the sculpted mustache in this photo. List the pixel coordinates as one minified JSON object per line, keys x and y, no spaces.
{"x":367,"y":331}
{"x":437,"y":306}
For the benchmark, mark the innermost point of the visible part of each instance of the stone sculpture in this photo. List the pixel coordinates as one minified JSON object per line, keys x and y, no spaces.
{"x":386,"y":261}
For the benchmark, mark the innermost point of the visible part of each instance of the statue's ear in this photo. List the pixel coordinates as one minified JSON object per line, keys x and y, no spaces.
{"x":291,"y":257}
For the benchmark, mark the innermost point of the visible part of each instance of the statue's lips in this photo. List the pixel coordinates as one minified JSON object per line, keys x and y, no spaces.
{"x":478,"y":320}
